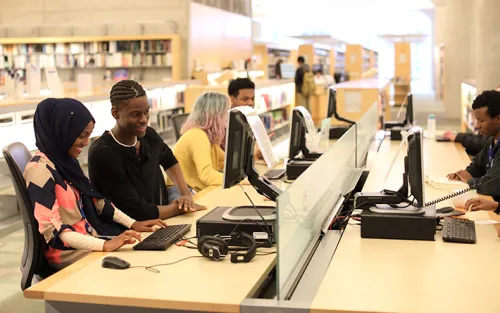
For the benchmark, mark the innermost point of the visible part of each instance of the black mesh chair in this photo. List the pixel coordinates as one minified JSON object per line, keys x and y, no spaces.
{"x":177,"y":121}
{"x":33,"y":262}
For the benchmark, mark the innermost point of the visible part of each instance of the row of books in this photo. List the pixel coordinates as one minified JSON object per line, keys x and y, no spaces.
{"x":274,"y":119}
{"x":134,"y":46}
{"x":98,"y":60}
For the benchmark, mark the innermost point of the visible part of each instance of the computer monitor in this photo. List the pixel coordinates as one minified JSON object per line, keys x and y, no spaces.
{"x":332,"y":106}
{"x":409,"y":110}
{"x":396,"y":202}
{"x":298,"y":137}
{"x":239,"y":158}
{"x":409,"y":116}
{"x":416,"y":166}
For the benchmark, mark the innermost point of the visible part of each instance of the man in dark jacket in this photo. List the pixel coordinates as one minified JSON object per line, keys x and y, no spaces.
{"x":300,"y":99}
{"x":484,"y":170}
{"x":473,"y":143}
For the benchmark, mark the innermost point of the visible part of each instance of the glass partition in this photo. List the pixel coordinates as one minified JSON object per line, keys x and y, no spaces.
{"x":366,"y":130}
{"x":303,"y":208}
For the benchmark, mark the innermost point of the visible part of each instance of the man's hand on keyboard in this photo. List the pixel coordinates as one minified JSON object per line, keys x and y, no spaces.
{"x":126,"y":238}
{"x":148,"y":226}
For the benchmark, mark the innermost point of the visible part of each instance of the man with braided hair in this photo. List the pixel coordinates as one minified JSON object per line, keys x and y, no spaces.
{"x":124,"y":163}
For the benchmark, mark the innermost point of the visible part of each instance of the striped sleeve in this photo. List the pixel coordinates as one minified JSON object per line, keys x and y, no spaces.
{"x":41,"y":188}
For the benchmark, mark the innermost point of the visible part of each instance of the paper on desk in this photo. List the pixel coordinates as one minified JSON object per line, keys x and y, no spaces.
{"x":444,"y":183}
{"x":260,"y":134}
{"x":312,"y":136}
{"x":309,"y":121}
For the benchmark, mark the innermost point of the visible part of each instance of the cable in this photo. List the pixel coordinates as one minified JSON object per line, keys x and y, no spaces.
{"x":269,"y":233}
{"x":152,"y":268}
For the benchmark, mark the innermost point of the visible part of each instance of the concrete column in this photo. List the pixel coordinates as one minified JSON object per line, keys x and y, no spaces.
{"x":459,"y":51}
{"x":488,"y":45}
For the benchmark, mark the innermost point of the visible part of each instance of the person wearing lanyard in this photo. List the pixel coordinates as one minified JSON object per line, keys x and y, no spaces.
{"x":484,"y":169}
{"x":72,"y":216}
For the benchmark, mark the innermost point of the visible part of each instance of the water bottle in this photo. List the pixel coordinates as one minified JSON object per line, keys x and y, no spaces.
{"x":431,"y":126}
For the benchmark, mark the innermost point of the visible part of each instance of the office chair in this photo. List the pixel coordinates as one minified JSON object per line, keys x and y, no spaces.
{"x":33,"y":262}
{"x":178,"y":120}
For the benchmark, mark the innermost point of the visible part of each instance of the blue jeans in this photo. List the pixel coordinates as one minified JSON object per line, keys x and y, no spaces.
{"x":174,"y":194}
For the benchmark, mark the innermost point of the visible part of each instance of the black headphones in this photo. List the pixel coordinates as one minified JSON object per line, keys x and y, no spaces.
{"x":216,"y":248}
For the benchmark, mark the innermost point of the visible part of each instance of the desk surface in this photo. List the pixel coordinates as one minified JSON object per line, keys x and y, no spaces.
{"x":193,"y":284}
{"x":375,"y":275}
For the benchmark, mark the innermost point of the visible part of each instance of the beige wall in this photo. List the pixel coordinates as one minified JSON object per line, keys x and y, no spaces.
{"x":218,"y":37}
{"x":469,"y":30}
{"x":460,"y":56}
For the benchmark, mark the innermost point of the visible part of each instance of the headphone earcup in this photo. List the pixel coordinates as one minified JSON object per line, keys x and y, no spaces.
{"x":212,"y":247}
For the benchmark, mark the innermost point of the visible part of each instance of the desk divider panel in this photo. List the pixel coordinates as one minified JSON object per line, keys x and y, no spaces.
{"x":366,"y":129}
{"x":306,"y":204}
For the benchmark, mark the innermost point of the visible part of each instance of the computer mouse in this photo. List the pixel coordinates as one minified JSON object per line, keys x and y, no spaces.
{"x":114,"y":263}
{"x":446,"y":209}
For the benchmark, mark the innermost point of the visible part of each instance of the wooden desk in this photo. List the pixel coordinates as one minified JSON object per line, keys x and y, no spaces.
{"x":375,"y":275}
{"x":197,"y":284}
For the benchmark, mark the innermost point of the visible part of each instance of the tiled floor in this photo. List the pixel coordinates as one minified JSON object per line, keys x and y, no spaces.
{"x":11,"y":245}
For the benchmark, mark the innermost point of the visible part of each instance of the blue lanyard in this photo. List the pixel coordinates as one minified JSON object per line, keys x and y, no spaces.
{"x":88,"y":228}
{"x":491,"y":153}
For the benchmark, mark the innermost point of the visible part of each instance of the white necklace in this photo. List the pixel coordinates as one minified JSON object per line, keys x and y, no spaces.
{"x":121,"y":144}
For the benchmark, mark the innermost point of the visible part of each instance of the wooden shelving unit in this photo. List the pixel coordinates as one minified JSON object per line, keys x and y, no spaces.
{"x":267,"y":55}
{"x":359,"y":60}
{"x":319,"y":56}
{"x":402,"y":72}
{"x":103,"y":52}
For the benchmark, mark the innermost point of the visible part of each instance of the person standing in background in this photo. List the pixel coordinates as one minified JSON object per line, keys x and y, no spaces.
{"x":277,"y":69}
{"x":304,"y":84}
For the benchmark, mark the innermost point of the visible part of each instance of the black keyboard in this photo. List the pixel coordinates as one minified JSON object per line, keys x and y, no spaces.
{"x":458,"y":230}
{"x":275,"y":174}
{"x":163,"y":237}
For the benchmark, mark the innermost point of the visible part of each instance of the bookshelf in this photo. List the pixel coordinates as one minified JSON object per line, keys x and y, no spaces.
{"x":359,"y":60}
{"x":402,"y":71}
{"x":103,"y":52}
{"x":267,"y":55}
{"x":354,"y":97}
{"x":319,"y":56}
{"x":468,"y":94}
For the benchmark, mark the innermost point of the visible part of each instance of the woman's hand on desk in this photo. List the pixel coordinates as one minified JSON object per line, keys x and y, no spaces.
{"x":126,"y":238}
{"x":481,"y":204}
{"x":148,"y":226}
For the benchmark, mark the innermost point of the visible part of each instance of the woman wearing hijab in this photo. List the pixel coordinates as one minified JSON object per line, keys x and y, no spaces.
{"x":70,"y":213}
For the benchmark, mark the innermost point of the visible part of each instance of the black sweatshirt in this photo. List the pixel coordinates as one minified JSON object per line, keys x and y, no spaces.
{"x":486,"y":180}
{"x":472,"y":143}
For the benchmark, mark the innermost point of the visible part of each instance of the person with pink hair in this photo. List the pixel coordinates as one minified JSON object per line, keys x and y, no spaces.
{"x":198,"y":149}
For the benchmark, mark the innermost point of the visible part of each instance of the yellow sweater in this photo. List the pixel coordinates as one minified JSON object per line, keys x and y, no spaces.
{"x":199,"y":159}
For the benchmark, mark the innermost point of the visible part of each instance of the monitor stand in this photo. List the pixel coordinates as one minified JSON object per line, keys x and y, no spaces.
{"x":402,"y":209}
{"x":247,"y":212}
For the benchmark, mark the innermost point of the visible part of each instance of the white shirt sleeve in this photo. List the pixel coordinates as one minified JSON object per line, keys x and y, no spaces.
{"x":82,"y":242}
{"x":122,"y":218}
